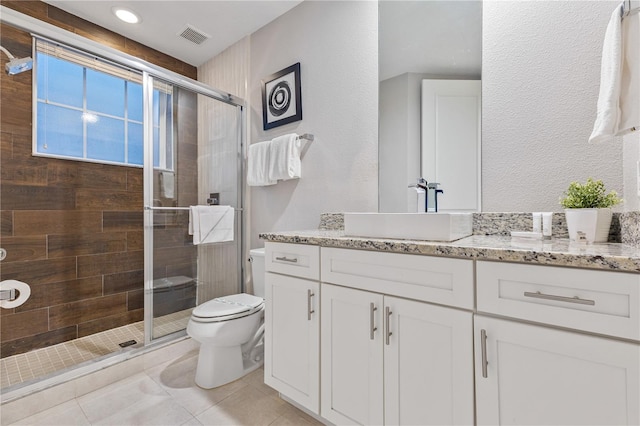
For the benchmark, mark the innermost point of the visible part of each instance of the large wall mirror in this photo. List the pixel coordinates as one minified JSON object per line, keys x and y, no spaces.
{"x":430,"y":55}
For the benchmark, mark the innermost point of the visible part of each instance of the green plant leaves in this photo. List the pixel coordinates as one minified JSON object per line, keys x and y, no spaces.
{"x":590,"y":195}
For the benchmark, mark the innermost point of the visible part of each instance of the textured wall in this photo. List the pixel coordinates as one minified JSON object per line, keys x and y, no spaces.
{"x":73,"y":230}
{"x":337,"y":46}
{"x":631,"y":182}
{"x":540,"y":77}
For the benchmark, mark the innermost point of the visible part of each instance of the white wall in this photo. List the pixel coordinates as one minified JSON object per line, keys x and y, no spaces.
{"x":336,"y":44}
{"x":393,"y":145}
{"x":541,"y":75}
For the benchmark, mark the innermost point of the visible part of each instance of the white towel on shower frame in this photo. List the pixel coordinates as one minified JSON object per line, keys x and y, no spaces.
{"x":211,"y":224}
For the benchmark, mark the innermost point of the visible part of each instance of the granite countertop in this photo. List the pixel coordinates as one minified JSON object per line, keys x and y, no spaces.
{"x":557,"y":252}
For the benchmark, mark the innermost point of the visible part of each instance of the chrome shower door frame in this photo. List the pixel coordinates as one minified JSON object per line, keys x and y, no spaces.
{"x":199,"y":89}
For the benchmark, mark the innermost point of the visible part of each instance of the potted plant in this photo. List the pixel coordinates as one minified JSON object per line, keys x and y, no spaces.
{"x":588,"y":210}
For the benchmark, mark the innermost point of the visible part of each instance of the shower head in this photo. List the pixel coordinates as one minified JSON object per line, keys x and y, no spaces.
{"x":16,"y":65}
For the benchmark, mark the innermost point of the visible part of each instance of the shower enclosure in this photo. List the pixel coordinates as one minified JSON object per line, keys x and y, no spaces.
{"x":105,"y":245}
{"x":207,"y":169}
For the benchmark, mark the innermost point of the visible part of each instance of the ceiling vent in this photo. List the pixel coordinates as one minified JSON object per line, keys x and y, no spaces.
{"x":194,"y":35}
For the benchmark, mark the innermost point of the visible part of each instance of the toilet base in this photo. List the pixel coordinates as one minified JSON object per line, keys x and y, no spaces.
{"x":218,"y":366}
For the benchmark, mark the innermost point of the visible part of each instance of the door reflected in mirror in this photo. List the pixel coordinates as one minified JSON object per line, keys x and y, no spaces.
{"x":429,"y":40}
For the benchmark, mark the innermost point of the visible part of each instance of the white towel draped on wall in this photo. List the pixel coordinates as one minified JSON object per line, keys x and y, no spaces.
{"x":619,"y":97}
{"x":278,"y":159}
{"x":211,"y":224}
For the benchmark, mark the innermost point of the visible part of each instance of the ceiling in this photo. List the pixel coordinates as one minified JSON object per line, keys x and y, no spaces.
{"x":422,"y":36}
{"x":225,"y":21}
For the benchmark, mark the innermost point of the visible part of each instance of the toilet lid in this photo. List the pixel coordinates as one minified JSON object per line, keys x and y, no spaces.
{"x":228,"y":305}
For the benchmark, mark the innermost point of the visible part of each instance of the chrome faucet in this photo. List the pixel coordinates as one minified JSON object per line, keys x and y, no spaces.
{"x":432,"y":194}
{"x":422,"y":183}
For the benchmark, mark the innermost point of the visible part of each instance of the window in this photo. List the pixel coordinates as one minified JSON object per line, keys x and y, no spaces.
{"x":91,"y":110}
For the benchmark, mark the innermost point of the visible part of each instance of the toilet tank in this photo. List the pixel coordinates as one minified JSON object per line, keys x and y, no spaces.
{"x":257,"y":270}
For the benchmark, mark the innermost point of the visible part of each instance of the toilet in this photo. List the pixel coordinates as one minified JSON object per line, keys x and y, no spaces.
{"x":230,"y":331}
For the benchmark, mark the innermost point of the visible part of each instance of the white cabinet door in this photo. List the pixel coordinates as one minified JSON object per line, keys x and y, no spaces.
{"x":351,"y":377}
{"x":428,"y":364}
{"x":537,"y":375}
{"x":292,"y":338}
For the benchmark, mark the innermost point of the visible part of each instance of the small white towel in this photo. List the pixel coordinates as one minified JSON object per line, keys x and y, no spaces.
{"x":258,"y":164}
{"x":284,"y":161}
{"x":618,"y":112}
{"x":630,"y":81}
{"x":211,"y":224}
{"x":167,"y":184}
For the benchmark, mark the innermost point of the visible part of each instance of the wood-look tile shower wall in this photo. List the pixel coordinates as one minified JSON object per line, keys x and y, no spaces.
{"x":74,"y":230}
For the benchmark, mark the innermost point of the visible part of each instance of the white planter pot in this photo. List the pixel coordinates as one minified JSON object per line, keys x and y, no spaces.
{"x":594,"y":223}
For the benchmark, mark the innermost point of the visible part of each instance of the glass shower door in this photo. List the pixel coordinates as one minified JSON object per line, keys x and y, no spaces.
{"x":196,"y":158}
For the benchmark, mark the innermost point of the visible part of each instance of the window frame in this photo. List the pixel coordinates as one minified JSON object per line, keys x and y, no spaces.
{"x":164,"y":90}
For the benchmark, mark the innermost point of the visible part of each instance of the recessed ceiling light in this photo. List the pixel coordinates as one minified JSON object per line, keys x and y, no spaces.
{"x":126,"y":15}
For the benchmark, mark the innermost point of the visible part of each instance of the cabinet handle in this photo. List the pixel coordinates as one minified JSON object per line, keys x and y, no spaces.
{"x":309,"y":304}
{"x":387,"y":315}
{"x":576,"y":299}
{"x":483,"y":344}
{"x":286,"y":259}
{"x":372,"y":327}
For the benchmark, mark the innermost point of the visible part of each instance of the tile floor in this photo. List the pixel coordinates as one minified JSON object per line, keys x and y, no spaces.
{"x":167,"y":395}
{"x":21,"y":368}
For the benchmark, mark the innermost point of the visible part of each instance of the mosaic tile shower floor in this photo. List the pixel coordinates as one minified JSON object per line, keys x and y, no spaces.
{"x":39,"y":363}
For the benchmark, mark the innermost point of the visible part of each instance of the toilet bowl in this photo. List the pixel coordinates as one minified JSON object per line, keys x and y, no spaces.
{"x":229,"y":330}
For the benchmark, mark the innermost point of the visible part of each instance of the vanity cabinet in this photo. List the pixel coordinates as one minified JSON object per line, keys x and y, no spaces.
{"x":528,"y":374}
{"x":292,"y":325}
{"x":370,"y":337}
{"x":537,"y":374}
{"x":389,"y":360}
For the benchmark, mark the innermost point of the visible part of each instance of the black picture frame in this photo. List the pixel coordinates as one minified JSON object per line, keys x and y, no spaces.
{"x":281,"y":97}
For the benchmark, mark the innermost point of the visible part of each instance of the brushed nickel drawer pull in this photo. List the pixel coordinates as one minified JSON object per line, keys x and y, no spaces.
{"x":387,"y":315}
{"x":483,"y":345}
{"x":372,"y":327}
{"x":286,"y":259}
{"x":576,"y":299}
{"x":309,"y":304}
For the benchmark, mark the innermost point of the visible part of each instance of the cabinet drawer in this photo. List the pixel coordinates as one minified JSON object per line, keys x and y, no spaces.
{"x":596,"y":301}
{"x":298,"y":260}
{"x":428,"y":278}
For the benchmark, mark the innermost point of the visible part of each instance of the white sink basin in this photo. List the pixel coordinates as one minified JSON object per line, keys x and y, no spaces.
{"x":409,"y":226}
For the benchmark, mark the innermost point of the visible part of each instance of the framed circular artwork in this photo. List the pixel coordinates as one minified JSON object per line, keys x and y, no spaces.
{"x":281,"y":97}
